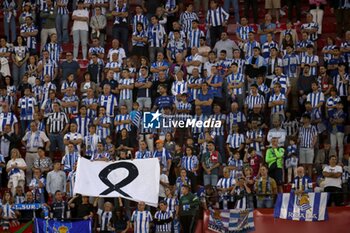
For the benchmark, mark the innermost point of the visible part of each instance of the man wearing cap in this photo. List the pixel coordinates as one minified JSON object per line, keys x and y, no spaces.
{"x":163,"y":155}
{"x":188,"y":206}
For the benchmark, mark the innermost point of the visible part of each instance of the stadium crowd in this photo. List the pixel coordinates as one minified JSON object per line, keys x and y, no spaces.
{"x":282,"y":102}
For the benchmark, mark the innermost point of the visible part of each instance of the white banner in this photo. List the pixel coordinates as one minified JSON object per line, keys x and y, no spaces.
{"x":136,"y":180}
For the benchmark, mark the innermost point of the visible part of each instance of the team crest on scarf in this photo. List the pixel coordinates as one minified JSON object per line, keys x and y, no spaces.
{"x":303,"y":202}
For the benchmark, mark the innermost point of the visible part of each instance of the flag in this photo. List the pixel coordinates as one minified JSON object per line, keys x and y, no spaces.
{"x":44,"y":226}
{"x":305,"y":207}
{"x":136,"y":180}
{"x":230,"y":221}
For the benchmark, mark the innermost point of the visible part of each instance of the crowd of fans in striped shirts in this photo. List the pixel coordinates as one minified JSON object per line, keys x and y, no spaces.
{"x":282,"y":106}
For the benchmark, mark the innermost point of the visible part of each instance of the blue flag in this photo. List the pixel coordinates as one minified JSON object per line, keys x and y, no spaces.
{"x":231,"y":221}
{"x":43,"y":226}
{"x":305,"y":207}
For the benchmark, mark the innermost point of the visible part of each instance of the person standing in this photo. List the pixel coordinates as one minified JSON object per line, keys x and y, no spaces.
{"x":188,"y":206}
{"x":341,"y":8}
{"x":274,"y":159}
{"x":62,"y":21}
{"x":27,"y":106}
{"x":10,"y":13}
{"x":20,"y":56}
{"x":163,"y":218}
{"x":211,"y":162}
{"x":48,"y":23}
{"x":80,"y":29}
{"x":216,"y":20}
{"x":265,"y":185}
{"x":141,"y":219}
{"x":98,"y":24}
{"x":120,"y":27}
{"x":56,"y":181}
{"x":333,"y":174}
{"x":33,"y":139}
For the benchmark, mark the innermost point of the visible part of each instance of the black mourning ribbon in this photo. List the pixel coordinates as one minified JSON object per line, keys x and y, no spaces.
{"x":103,"y":175}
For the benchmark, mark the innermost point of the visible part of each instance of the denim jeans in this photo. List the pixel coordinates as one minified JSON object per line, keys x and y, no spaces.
{"x":80,"y":36}
{"x":121,"y":33}
{"x":266,"y":202}
{"x":56,"y":142}
{"x":227,"y":4}
{"x":10,"y":26}
{"x":18,"y":73}
{"x":210,"y":179}
{"x":62,"y":28}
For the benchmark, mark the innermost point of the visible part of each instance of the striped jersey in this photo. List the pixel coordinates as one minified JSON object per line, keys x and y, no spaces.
{"x":55,"y":50}
{"x":290,"y":64}
{"x":179,"y":87}
{"x":69,"y":160}
{"x":8,"y":118}
{"x":290,"y":126}
{"x":90,"y":142}
{"x":304,"y":44}
{"x":341,"y":82}
{"x":216,"y":17}
{"x":194,"y":92}
{"x":219,"y":131}
{"x":146,"y":154}
{"x":238,"y":164}
{"x":307,"y":59}
{"x":175,"y":47}
{"x":306,"y":136}
{"x":31,"y":40}
{"x":142,"y":34}
{"x":139,"y":19}
{"x":186,"y":19}
{"x":70,"y":99}
{"x":234,"y":118}
{"x":189,"y":162}
{"x":156,"y":35}
{"x":27,"y":107}
{"x":195,"y":129}
{"x":283,"y":80}
{"x":327,"y":56}
{"x":102,"y":155}
{"x":48,"y":68}
{"x":126,"y":126}
{"x":279,"y":97}
{"x":82,"y":125}
{"x":56,"y":122}
{"x":235,"y":80}
{"x":89,"y":101}
{"x":63,"y":10}
{"x":315,"y":98}
{"x":120,"y":20}
{"x":126,"y":93}
{"x":235,"y":140}
{"x":241,"y":63}
{"x":101,"y":131}
{"x":160,"y":215}
{"x":193,"y":37}
{"x":46,"y":88}
{"x":243,"y":31}
{"x":109,"y":102}
{"x":255,"y":134}
{"x":248,"y":48}
{"x":172,"y":203}
{"x":113,"y":65}
{"x":252,"y":100}
{"x":266,"y":47}
{"x":72,"y":137}
{"x":67,"y":84}
{"x":141,"y":220}
{"x":312,"y":25}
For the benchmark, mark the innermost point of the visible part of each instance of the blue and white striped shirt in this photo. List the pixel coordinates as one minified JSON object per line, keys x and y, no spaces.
{"x":70,"y":99}
{"x":141,"y":220}
{"x":219,"y":131}
{"x":341,"y":82}
{"x":290,"y":64}
{"x":243,"y":31}
{"x":216,"y":17}
{"x":252,"y":100}
{"x":120,"y":20}
{"x":109,"y":102}
{"x":195,"y":129}
{"x":63,"y":10}
{"x":255,"y":134}
{"x":54,"y":51}
{"x":283,"y":80}
{"x":142,"y":34}
{"x":143,"y":154}
{"x":238,"y":164}
{"x":312,"y":25}
{"x":90,"y":112}
{"x":139,"y":19}
{"x":266,"y":48}
{"x":126,"y":93}
{"x":248,"y":48}
{"x":69,"y":160}
{"x":306,"y":136}
{"x":31,"y":40}
{"x":279,"y":97}
{"x":186,"y":19}
{"x":193,"y":37}
{"x":8,"y":118}
{"x":48,"y":68}
{"x":156,"y":35}
{"x":315,"y":98}
{"x":103,"y":132}
{"x":235,"y":140}
{"x":307,"y":59}
{"x":27,"y":108}
{"x":82,"y":125}
{"x":126,"y":126}
{"x":194,"y":92}
{"x":234,"y":118}
{"x":235,"y":80}
{"x":189,"y":162}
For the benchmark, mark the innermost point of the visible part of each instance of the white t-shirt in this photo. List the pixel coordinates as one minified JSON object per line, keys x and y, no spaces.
{"x":333,"y":182}
{"x":80,"y":25}
{"x":163,"y":178}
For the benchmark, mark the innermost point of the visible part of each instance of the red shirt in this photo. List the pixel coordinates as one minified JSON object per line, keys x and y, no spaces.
{"x":255,"y":164}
